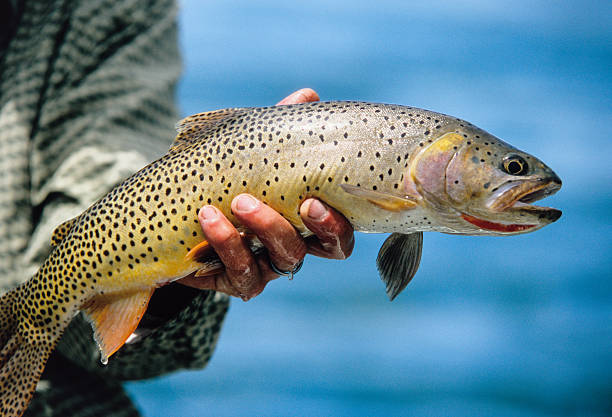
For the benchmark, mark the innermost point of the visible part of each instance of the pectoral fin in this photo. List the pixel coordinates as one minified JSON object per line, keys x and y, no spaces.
{"x":398,"y":261}
{"x":385,"y":201}
{"x":114,"y":319}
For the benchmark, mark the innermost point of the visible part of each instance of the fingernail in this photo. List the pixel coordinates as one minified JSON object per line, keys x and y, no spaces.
{"x":246,"y":204}
{"x":316,"y":210}
{"x":208,"y":213}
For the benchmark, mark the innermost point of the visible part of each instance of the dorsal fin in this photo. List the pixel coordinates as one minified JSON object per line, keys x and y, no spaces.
{"x":198,"y":126}
{"x":61,"y":232}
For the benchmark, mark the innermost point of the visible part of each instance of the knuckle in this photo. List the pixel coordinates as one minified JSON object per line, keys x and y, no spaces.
{"x":244,"y":277}
{"x":226,"y":237}
{"x":287,"y":257}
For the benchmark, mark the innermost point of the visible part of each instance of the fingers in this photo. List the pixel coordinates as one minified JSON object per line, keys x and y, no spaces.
{"x":217,"y":282}
{"x":242,"y":276}
{"x":246,"y":274}
{"x":285,"y":246}
{"x":333,"y":233}
{"x":305,"y":95}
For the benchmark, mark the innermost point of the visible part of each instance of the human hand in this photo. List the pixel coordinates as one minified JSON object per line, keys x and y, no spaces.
{"x":247,"y":274}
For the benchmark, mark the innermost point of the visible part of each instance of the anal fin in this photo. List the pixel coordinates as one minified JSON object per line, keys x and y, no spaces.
{"x":398,"y":260}
{"x":114,"y":319}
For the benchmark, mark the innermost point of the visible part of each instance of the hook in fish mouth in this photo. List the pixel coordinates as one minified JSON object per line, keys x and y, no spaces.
{"x":515,"y":197}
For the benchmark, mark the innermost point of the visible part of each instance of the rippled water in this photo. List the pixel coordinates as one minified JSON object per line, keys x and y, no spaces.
{"x":515,"y":326}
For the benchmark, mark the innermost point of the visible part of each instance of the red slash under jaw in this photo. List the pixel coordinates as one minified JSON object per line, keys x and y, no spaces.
{"x":498,"y":227}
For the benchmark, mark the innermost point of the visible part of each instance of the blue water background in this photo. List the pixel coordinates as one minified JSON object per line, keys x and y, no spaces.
{"x":518,"y":326}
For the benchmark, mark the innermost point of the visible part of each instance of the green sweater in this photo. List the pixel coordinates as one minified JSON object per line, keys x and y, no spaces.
{"x":86,"y":99}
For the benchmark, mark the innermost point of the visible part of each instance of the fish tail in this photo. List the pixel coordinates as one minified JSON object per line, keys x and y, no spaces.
{"x":22,"y":358}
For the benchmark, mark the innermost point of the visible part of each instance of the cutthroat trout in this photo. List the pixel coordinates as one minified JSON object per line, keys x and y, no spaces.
{"x":386,"y":168}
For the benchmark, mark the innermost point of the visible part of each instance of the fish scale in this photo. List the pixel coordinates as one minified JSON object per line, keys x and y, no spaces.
{"x":386,"y":168}
{"x":302,"y":154}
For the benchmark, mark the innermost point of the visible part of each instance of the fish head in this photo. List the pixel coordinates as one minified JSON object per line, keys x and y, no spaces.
{"x":474,"y":183}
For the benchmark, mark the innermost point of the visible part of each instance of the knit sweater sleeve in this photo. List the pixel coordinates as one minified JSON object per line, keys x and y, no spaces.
{"x":107,"y":108}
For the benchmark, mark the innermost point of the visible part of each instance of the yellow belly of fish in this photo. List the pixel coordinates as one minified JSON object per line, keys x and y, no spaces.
{"x":126,"y":283}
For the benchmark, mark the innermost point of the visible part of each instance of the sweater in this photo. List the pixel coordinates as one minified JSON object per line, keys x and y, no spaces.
{"x":86,"y":99}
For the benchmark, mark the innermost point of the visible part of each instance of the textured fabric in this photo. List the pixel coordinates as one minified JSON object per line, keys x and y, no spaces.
{"x":86,"y":99}
{"x":95,"y":395}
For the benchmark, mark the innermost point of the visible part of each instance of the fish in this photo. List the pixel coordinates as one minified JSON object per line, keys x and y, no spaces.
{"x":386,"y":168}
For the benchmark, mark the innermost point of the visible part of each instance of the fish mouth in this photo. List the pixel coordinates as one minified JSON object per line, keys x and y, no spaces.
{"x":512,"y":200}
{"x":519,"y":194}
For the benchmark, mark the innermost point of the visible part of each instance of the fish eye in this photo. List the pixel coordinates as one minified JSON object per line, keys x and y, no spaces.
{"x":515,"y":165}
